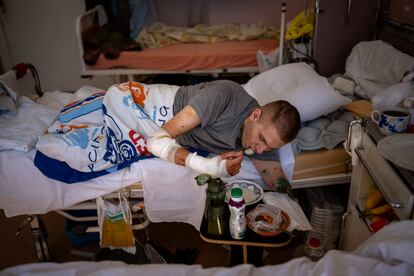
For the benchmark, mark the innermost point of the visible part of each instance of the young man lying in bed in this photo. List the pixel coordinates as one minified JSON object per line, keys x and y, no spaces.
{"x":222,"y":118}
{"x":110,"y":130}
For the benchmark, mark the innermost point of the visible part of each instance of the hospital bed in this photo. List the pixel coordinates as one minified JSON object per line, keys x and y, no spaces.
{"x":189,"y":58}
{"x":140,"y":182}
{"x":26,"y":191}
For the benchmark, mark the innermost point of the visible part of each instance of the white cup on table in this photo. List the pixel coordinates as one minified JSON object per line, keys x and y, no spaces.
{"x":392,"y":120}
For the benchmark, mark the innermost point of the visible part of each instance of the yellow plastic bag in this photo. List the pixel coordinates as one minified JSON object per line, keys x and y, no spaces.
{"x":301,"y":25}
{"x":115,"y":224}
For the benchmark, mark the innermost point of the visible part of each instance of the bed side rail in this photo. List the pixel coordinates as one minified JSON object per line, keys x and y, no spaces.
{"x":26,"y":81}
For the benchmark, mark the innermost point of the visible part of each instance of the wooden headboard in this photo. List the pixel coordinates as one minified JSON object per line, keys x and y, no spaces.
{"x":397,"y":27}
{"x":398,"y":34}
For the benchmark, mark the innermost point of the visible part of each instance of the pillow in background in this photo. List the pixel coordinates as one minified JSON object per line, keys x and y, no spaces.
{"x":301,"y":86}
{"x":375,"y":66}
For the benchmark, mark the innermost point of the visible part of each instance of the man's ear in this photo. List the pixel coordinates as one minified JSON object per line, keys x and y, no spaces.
{"x":255,"y":115}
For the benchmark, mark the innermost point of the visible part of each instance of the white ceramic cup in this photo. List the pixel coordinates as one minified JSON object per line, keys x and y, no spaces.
{"x":391,"y":121}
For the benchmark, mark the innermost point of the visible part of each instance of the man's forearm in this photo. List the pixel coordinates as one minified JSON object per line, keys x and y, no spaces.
{"x":180,"y":156}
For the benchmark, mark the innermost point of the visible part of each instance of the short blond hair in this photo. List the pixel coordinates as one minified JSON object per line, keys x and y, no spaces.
{"x":284,"y":116}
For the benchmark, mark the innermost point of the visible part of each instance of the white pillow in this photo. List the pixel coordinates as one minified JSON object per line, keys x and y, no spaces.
{"x":301,"y":86}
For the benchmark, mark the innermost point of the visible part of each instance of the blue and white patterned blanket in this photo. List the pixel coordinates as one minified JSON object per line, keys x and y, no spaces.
{"x":104,"y":132}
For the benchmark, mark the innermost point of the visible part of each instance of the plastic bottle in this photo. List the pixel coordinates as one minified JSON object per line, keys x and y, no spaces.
{"x":314,"y":246}
{"x":237,"y":208}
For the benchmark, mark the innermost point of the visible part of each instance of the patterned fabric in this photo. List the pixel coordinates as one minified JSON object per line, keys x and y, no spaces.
{"x":160,"y":35}
{"x":104,"y":132}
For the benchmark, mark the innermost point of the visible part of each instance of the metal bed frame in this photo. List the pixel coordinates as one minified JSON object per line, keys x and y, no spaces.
{"x":97,"y":15}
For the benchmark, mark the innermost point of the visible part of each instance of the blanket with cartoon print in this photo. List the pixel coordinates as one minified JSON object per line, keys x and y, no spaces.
{"x":104,"y":132}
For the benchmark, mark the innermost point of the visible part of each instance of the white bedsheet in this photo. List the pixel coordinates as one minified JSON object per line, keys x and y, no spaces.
{"x":170,"y":191}
{"x":25,"y":190}
{"x":388,"y":252}
{"x":375,"y":66}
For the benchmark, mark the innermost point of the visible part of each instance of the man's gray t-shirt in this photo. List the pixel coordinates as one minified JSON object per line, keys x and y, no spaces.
{"x":222,"y":106}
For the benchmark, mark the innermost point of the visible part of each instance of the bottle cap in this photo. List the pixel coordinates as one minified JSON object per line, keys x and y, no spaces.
{"x":314,"y":242}
{"x":236,"y":192}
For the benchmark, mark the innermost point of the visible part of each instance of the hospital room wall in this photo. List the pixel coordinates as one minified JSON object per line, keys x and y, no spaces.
{"x":42,"y":32}
{"x":190,"y":12}
{"x":339,"y":30}
{"x":336,"y":34}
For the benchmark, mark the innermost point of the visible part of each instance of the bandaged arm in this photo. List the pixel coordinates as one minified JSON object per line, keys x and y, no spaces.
{"x":165,"y":147}
{"x":162,"y":144}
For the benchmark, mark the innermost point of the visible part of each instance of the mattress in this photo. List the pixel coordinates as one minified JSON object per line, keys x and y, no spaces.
{"x":190,"y":56}
{"x":321,"y":162}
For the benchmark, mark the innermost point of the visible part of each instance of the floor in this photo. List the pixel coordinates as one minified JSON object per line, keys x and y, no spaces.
{"x":20,"y":249}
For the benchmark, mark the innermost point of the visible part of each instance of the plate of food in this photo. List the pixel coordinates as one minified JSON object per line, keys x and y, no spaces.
{"x":252,"y":192}
{"x":266,"y":221}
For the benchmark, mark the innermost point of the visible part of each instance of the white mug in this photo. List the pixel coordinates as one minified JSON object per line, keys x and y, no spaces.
{"x":391,"y":121}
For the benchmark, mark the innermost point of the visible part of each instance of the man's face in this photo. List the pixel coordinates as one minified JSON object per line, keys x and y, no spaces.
{"x":260,"y":135}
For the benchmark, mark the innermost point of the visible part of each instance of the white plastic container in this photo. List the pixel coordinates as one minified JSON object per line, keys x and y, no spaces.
{"x":326,"y":218}
{"x":237,"y":208}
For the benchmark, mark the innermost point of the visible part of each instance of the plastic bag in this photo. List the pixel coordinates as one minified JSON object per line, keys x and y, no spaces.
{"x":298,"y":219}
{"x":115,"y":224}
{"x":393,"y":95}
{"x":301,"y":25}
{"x":264,"y":218}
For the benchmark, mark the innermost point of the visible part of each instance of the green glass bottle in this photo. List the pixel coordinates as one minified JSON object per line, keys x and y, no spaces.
{"x":215,"y":204}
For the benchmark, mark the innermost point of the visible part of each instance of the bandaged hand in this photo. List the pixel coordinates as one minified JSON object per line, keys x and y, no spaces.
{"x":234,"y":159}
{"x":225,"y":165}
{"x":163,"y":146}
{"x":215,"y":166}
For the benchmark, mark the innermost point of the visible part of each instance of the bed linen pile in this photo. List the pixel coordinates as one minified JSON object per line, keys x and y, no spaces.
{"x":161,"y":35}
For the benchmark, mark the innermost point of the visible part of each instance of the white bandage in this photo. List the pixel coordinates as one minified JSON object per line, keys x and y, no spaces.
{"x":163,"y":146}
{"x":213,"y":166}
